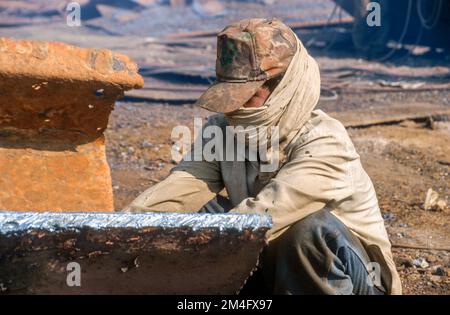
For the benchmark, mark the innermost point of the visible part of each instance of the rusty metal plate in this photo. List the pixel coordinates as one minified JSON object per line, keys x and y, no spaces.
{"x":128,"y":253}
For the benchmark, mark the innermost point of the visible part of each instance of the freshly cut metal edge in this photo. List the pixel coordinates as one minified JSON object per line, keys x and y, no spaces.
{"x":12,"y":222}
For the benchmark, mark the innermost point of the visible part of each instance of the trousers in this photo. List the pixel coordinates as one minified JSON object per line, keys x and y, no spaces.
{"x":316,"y":255}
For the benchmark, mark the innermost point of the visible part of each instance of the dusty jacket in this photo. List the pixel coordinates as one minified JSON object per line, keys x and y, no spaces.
{"x":322,"y":169}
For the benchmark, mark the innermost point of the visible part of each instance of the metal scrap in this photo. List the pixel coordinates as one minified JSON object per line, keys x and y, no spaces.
{"x":126,"y":253}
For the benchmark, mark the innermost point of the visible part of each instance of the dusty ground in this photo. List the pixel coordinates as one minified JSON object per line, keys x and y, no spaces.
{"x":403,"y":162}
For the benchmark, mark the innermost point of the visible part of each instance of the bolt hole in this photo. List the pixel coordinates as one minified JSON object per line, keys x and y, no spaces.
{"x":100,"y":92}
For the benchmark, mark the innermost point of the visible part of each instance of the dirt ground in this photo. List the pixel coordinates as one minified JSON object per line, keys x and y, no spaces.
{"x":403,"y":162}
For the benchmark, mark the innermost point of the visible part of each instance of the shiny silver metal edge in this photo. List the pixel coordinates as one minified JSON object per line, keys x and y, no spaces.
{"x":15,"y":222}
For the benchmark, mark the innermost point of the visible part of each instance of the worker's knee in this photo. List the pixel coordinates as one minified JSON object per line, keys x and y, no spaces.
{"x":321,"y":251}
{"x":319,"y":237}
{"x":321,"y":227}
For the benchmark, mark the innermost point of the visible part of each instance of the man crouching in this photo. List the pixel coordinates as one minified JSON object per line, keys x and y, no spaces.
{"x":328,"y":235}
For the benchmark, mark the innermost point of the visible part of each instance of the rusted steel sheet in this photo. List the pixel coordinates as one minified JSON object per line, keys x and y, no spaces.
{"x":55,"y":101}
{"x":129,"y":253}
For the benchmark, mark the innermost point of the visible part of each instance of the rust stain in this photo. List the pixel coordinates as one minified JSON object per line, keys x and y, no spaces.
{"x":52,"y":119}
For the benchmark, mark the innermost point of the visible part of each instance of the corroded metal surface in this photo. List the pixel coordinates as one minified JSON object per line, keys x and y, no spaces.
{"x":55,"y":101}
{"x":129,"y":253}
{"x":61,"y":87}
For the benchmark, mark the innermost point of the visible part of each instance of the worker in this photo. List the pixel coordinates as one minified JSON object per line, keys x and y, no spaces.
{"x":328,"y":235}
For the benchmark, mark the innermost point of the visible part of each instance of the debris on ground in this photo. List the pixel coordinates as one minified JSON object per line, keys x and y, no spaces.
{"x":433,"y":202}
{"x":401,"y":84}
{"x":439,"y":271}
{"x":420,"y":262}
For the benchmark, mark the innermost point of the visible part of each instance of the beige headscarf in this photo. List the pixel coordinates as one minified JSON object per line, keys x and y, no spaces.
{"x":290,"y":104}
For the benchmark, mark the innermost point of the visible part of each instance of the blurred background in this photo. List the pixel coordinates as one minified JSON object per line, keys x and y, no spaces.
{"x":389,"y":84}
{"x":173,"y":41}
